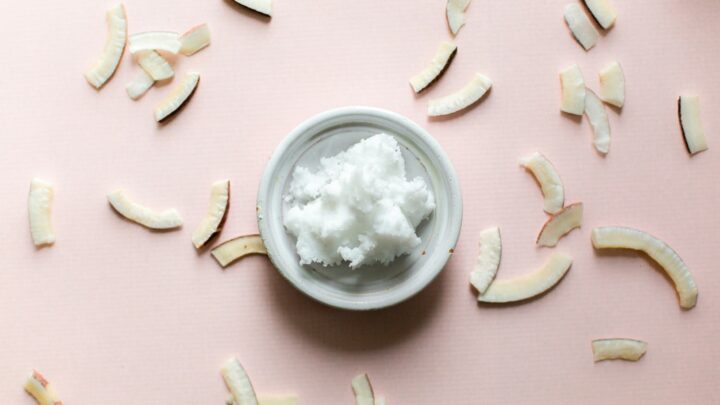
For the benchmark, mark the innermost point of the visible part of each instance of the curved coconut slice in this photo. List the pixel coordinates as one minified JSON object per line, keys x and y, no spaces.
{"x":40,"y":389}
{"x":363,"y":390}
{"x":612,"y":85}
{"x":439,"y":63}
{"x":105,"y":66}
{"x":463,"y":98}
{"x":488,"y":260}
{"x":560,"y":225}
{"x":238,"y":382}
{"x":289,"y":400}
{"x":144,"y":216}
{"x":617,"y":237}
{"x":261,"y":6}
{"x":693,"y":134}
{"x":40,"y":203}
{"x":235,"y":249}
{"x":177,"y":97}
{"x":155,"y":41}
{"x":194,"y":40}
{"x":595,"y":111}
{"x":618,"y":349}
{"x":155,"y":65}
{"x":212,"y":224}
{"x":580,"y":26}
{"x":603,"y":12}
{"x":139,"y":85}
{"x":455,"y":11}
{"x":572,"y":85}
{"x":528,"y":285}
{"x":550,"y":183}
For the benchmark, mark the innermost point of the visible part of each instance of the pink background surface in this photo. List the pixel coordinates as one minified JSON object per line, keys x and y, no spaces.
{"x":116,"y":314}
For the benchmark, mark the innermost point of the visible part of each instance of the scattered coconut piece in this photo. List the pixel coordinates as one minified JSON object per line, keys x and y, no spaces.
{"x":261,"y":6}
{"x":595,"y":111}
{"x":550,"y":183}
{"x":618,"y":349}
{"x":155,"y":41}
{"x":144,"y":216}
{"x":195,"y":39}
{"x":560,"y":225}
{"x":363,"y":390}
{"x":155,"y":65}
{"x":692,"y":130}
{"x":177,"y":97}
{"x":572,"y":86}
{"x":603,"y":12}
{"x":212,"y":224}
{"x":455,"y":11}
{"x":40,"y":203}
{"x":528,"y":285}
{"x":439,"y":63}
{"x":40,"y":389}
{"x":289,"y":400}
{"x":238,"y":382}
{"x":380,"y":401}
{"x":488,"y":260}
{"x":612,"y":85}
{"x":618,"y":237}
{"x":580,"y":26}
{"x":463,"y":98}
{"x":235,"y":249}
{"x":107,"y":63}
{"x":139,"y":85}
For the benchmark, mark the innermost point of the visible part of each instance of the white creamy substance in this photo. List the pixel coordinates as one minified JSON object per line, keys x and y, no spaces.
{"x":358,"y":207}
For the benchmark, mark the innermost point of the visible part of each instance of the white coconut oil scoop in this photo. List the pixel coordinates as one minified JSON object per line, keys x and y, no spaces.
{"x":369,"y":286}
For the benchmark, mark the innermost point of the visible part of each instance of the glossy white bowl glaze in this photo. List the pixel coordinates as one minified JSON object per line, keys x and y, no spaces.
{"x":375,"y":286}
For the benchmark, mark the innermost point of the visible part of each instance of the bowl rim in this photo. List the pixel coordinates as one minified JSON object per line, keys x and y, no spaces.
{"x":445,"y":166}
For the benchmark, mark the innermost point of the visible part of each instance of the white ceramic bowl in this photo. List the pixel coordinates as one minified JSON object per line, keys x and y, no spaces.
{"x":368,"y":287}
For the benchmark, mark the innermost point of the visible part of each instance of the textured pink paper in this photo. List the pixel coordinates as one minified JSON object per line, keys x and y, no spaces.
{"x":115,"y":314}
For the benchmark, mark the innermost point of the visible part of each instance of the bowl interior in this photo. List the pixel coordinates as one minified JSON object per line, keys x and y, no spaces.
{"x":370,"y":286}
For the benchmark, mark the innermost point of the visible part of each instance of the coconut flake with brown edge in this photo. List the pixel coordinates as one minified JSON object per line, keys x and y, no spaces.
{"x":40,"y":202}
{"x":235,"y":249}
{"x":612,"y":85}
{"x":177,"y":97}
{"x":142,"y":215}
{"x":261,"y":6}
{"x":618,"y":349}
{"x":528,"y":285}
{"x":692,"y":129}
{"x":439,"y":63}
{"x":155,"y":41}
{"x":363,"y":390}
{"x":580,"y":26}
{"x":488,"y":260}
{"x":455,"y":12}
{"x":107,"y":63}
{"x":618,"y":237}
{"x":40,"y":389}
{"x":238,"y":382}
{"x":461,"y":99}
{"x":155,"y":65}
{"x":550,"y":182}
{"x":572,"y":85}
{"x":196,"y":39}
{"x":596,"y":114}
{"x":217,"y":212}
{"x":139,"y":85}
{"x":560,"y":225}
{"x":603,"y":12}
